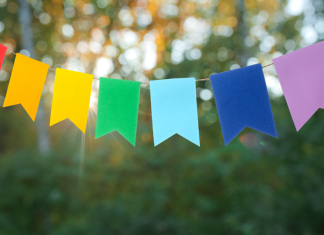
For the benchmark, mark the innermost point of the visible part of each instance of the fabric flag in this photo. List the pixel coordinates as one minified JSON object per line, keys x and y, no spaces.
{"x":71,"y":97}
{"x":118,"y":108}
{"x":26,"y":84}
{"x":242,"y":100}
{"x":301,"y":77}
{"x":174,"y":109}
{"x":3,"y":50}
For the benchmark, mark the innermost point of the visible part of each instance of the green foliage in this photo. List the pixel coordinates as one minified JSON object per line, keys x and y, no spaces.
{"x":275,"y":187}
{"x":256,"y":185}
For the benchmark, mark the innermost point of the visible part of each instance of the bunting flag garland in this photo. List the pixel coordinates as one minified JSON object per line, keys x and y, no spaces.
{"x":118,"y":108}
{"x":241,"y":97}
{"x":71,"y":97}
{"x":26,"y":84}
{"x":301,"y":77}
{"x":242,"y":100}
{"x":3,"y":50}
{"x":174,"y":109}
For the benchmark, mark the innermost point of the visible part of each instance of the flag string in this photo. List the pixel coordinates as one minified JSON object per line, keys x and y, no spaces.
{"x":197,"y":80}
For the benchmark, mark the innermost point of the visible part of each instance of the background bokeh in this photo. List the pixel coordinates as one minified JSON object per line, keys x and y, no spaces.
{"x":55,"y":180}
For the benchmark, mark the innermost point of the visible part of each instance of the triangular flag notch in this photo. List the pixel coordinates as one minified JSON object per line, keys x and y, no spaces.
{"x":118,"y":108}
{"x":26,"y":84}
{"x":242,"y":100}
{"x":71,"y":97}
{"x":174,"y":109}
{"x":301,"y":77}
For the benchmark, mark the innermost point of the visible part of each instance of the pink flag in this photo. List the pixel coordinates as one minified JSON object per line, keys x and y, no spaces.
{"x":301,"y":75}
{"x":3,"y":50}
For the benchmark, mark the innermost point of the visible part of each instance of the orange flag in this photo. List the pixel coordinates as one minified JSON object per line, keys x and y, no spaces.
{"x":26,"y":84}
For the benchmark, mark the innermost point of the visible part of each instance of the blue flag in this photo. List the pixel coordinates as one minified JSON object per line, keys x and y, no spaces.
{"x":174,"y":109}
{"x":242,"y":100}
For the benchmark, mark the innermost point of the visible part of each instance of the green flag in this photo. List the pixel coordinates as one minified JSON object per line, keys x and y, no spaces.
{"x":118,"y":108}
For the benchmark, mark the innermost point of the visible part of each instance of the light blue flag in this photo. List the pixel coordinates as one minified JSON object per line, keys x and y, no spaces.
{"x":174,"y":109}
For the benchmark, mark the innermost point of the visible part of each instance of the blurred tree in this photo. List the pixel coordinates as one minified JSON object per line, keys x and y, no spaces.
{"x":256,"y":185}
{"x":28,"y":44}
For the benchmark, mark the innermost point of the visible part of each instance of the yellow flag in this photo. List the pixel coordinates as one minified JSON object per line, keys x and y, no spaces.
{"x":71,"y":97}
{"x":26,"y":84}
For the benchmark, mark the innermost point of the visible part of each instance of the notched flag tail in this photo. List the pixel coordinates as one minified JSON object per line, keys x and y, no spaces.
{"x":242,"y":100}
{"x":26,"y":84}
{"x":301,"y":77}
{"x":174,"y":109}
{"x":71,"y":97}
{"x":118,"y":108}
